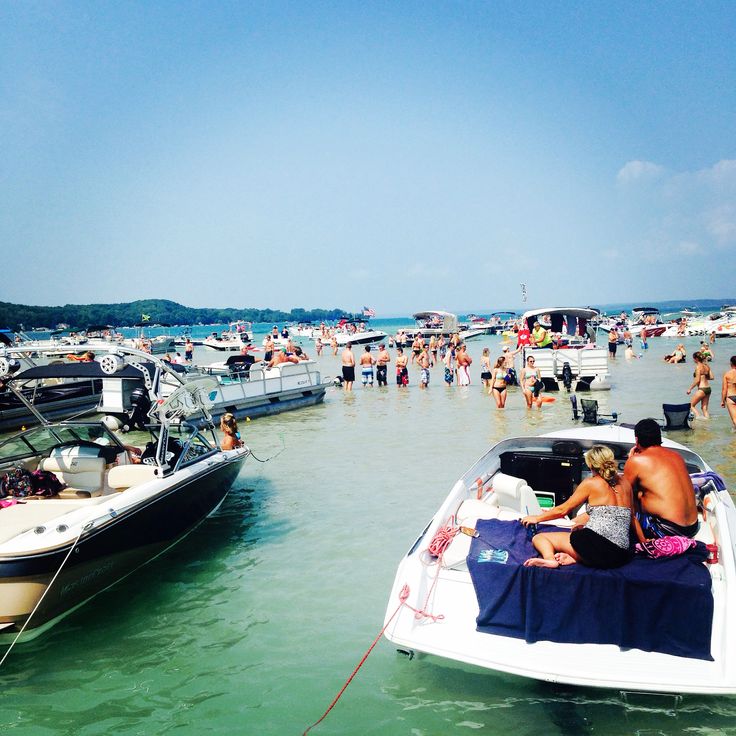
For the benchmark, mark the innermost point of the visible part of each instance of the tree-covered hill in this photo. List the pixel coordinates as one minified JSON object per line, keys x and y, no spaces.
{"x":80,"y":316}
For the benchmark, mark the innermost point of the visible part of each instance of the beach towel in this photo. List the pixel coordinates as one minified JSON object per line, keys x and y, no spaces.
{"x":656,"y":605}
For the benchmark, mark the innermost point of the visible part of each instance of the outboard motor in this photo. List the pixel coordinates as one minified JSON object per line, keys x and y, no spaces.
{"x":567,"y":375}
{"x":141,"y":406}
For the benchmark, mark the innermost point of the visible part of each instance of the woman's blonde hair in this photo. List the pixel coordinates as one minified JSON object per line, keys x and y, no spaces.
{"x":228,"y":423}
{"x":600,"y":458}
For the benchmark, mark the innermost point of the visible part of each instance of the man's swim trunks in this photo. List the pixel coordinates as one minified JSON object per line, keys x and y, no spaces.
{"x":655,"y":527}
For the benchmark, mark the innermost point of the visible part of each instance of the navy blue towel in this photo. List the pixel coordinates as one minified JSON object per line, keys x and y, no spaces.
{"x":663,"y":605}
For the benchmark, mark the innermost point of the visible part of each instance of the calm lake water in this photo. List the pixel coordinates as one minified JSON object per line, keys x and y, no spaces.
{"x":254,"y":622}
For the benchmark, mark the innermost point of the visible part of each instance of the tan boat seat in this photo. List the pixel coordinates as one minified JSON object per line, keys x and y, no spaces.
{"x":83,"y":476}
{"x":122,"y":477}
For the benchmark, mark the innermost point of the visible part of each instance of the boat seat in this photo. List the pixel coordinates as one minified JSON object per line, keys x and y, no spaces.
{"x":514,"y":494}
{"x":122,"y":477}
{"x":83,"y":476}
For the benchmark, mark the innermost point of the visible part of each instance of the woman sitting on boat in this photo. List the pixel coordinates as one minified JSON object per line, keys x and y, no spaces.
{"x":600,"y":537}
{"x":229,"y":427}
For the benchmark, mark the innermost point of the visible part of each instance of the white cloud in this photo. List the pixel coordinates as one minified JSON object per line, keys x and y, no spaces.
{"x":639,"y":170}
{"x":359,"y":274}
{"x":721,"y":224}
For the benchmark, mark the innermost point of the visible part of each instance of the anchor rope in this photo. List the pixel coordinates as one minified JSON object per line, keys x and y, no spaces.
{"x":268,"y":459}
{"x":48,"y":588}
{"x":403,"y":595}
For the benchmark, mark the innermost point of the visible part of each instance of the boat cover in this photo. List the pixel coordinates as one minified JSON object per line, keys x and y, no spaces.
{"x":662,"y":605}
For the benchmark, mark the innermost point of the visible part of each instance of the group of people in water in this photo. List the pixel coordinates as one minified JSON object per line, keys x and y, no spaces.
{"x":650,"y":499}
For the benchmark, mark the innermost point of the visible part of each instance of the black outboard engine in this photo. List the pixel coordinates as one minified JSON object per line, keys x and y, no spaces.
{"x":567,"y":375}
{"x":141,"y":406}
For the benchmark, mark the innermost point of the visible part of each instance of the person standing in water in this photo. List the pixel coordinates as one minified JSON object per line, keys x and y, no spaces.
{"x":402,"y":372}
{"x":701,"y":378}
{"x":498,"y":383}
{"x":366,"y":366}
{"x":485,"y":370}
{"x":348,"y":367}
{"x":464,"y":362}
{"x":382,"y":361}
{"x":728,"y":391}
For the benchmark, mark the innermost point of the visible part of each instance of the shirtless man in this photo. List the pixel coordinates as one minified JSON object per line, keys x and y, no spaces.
{"x":728,"y":391}
{"x":281,"y":356}
{"x":348,"y":367}
{"x":508,"y":364}
{"x":463,"y":365}
{"x":661,"y":482}
{"x":382,"y":362}
{"x":423,"y":362}
{"x":366,"y":366}
{"x":402,"y":373}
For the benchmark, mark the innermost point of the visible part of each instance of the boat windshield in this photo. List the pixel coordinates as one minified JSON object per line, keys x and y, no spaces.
{"x":40,"y":440}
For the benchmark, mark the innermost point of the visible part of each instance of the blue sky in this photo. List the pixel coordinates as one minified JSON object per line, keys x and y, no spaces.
{"x":393,"y":154}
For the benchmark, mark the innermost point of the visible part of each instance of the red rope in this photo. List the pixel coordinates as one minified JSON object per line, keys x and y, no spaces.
{"x":403,"y":595}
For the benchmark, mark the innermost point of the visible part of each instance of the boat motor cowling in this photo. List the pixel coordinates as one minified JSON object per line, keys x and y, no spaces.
{"x":567,"y":375}
{"x":141,"y":404}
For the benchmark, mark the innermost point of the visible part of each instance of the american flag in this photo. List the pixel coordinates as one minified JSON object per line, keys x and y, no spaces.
{"x":368,"y":312}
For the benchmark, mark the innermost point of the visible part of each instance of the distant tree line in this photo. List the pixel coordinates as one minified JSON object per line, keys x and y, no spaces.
{"x":157,"y":311}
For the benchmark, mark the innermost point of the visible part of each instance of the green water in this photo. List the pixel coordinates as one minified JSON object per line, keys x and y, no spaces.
{"x":254,"y":622}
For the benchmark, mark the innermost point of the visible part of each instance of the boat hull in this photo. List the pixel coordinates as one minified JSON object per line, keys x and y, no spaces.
{"x":106,"y":554}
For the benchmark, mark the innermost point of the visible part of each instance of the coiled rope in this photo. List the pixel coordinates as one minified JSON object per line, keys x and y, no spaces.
{"x":403,"y":595}
{"x":48,"y":588}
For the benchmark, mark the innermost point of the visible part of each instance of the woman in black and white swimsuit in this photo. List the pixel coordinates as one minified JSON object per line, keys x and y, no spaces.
{"x":600,"y":537}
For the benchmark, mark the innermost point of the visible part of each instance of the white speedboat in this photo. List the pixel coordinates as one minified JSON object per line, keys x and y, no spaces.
{"x":654,"y":625}
{"x":355,"y":332}
{"x":436,"y":322}
{"x":111,"y":514}
{"x":575,"y":362}
{"x":237,"y":335}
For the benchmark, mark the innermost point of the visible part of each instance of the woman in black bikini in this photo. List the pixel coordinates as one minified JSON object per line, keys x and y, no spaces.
{"x":498,"y":383}
{"x":701,"y":376}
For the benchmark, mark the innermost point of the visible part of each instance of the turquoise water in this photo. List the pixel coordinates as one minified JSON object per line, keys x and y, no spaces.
{"x":255,"y":621}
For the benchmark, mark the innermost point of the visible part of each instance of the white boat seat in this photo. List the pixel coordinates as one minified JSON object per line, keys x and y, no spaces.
{"x":122,"y":477}
{"x":514,"y":494}
{"x":83,"y":475}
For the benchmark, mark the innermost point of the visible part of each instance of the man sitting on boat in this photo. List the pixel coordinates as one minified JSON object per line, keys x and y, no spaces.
{"x":660,"y":479}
